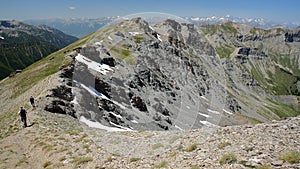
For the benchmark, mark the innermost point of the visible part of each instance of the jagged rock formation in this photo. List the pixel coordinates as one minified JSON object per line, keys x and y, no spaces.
{"x":169,"y":76}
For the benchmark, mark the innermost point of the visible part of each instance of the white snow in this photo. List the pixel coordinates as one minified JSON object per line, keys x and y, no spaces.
{"x":100,"y":126}
{"x":208,"y":124}
{"x":213,"y":111}
{"x":134,"y":121}
{"x":226,"y":111}
{"x":158,"y":36}
{"x":195,"y":19}
{"x":117,"y":115}
{"x":110,"y":38}
{"x":178,"y":128}
{"x":204,"y":98}
{"x":102,"y":68}
{"x":134,"y":33}
{"x":205,"y":115}
{"x":74,"y":101}
{"x":188,"y":107}
{"x":1,"y":37}
{"x":121,"y":127}
{"x":99,"y":43}
{"x":151,"y":28}
{"x":93,"y":91}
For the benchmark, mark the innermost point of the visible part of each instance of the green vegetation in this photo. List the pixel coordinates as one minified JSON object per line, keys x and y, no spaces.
{"x":162,"y":164}
{"x":229,"y":27}
{"x":21,"y":161}
{"x":20,"y":51}
{"x":229,"y":158}
{"x":180,"y":147}
{"x":264,"y":167}
{"x":134,"y":159}
{"x":109,"y":159}
{"x":291,"y":157}
{"x":284,"y":82}
{"x":210,"y":29}
{"x":222,"y":145}
{"x":116,"y":154}
{"x":191,"y":147}
{"x":173,"y":154}
{"x":81,"y":138}
{"x":260,"y":47}
{"x":81,"y":160}
{"x":124,"y":54}
{"x":120,"y":52}
{"x":156,"y":146}
{"x":255,"y":31}
{"x":130,"y":60}
{"x":63,"y":158}
{"x":195,"y":167}
{"x":225,"y":51}
{"x":46,"y":164}
{"x":283,"y":110}
{"x":138,"y":39}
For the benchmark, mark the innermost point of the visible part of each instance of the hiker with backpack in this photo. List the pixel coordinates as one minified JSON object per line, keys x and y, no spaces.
{"x":31,"y":99}
{"x":23,"y":116}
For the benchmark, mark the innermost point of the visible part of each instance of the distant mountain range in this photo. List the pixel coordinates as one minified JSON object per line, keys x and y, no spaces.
{"x":22,"y":44}
{"x":75,"y":27}
{"x":83,"y":26}
{"x":256,"y":22}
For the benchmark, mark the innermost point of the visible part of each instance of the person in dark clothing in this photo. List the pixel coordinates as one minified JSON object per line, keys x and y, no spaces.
{"x":31,"y":99}
{"x":23,"y":116}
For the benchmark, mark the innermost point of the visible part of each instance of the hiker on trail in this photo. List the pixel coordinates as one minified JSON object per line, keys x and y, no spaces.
{"x":32,"y":101}
{"x":23,"y":114}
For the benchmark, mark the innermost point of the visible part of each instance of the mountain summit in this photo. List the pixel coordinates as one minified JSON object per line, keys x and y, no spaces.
{"x":170,"y":76}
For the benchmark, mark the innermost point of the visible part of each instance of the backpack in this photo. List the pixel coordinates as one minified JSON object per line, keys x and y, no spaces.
{"x":31,"y":99}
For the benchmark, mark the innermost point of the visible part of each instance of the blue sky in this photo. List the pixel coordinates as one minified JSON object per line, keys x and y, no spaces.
{"x":275,"y":10}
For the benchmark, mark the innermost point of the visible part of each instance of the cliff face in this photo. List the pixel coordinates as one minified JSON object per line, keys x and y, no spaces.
{"x":171,"y":76}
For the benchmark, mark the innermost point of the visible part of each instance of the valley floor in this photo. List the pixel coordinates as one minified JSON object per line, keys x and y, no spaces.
{"x":59,"y":141}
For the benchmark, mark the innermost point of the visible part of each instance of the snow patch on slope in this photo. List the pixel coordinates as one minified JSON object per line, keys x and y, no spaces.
{"x":102,"y":68}
{"x":100,"y":126}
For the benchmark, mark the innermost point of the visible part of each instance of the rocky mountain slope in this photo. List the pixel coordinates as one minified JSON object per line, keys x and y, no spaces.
{"x":171,"y":76}
{"x":22,"y":44}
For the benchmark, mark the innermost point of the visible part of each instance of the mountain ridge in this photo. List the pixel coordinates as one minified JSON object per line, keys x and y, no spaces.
{"x":60,"y":141}
{"x":22,"y":44}
{"x":80,"y":27}
{"x":137,"y":77}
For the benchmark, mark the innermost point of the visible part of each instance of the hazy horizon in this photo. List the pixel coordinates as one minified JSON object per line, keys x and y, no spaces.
{"x":279,"y":11}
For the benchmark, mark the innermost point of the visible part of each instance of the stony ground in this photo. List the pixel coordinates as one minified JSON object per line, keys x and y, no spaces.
{"x":59,"y":141}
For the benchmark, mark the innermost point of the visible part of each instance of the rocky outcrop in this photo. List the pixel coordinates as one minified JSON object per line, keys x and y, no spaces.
{"x":292,"y":36}
{"x":244,"y":54}
{"x":61,"y":107}
{"x":168,"y":79}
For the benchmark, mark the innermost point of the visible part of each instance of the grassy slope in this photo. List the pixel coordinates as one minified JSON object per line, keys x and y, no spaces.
{"x":15,"y":87}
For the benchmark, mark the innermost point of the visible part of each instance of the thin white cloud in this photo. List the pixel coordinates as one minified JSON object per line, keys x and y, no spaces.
{"x":72,"y":7}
